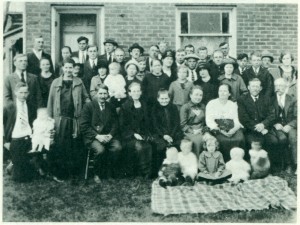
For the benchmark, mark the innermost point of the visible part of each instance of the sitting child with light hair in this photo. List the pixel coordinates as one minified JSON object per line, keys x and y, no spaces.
{"x":260,"y":163}
{"x":188,"y":161}
{"x":42,"y":128}
{"x":239,"y":168}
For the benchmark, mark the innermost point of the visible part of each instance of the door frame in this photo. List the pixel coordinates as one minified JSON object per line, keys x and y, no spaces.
{"x":57,"y":10}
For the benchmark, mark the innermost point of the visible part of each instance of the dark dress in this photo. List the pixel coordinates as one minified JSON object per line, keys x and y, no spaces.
{"x":210,"y":90}
{"x":138,"y":154}
{"x":45,"y":84}
{"x":165,"y":121}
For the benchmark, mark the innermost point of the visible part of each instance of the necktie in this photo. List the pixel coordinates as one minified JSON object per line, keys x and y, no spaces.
{"x":23,"y":116}
{"x":280,"y":102}
{"x":193,"y":77}
{"x":93,"y":64}
{"x":22,"y":77}
{"x":102,"y":106}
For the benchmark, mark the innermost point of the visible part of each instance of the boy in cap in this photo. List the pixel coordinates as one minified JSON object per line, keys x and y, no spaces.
{"x":191,"y":61}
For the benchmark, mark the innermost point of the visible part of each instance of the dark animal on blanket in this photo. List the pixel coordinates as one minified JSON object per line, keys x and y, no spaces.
{"x":260,"y":163}
{"x":170,"y":172}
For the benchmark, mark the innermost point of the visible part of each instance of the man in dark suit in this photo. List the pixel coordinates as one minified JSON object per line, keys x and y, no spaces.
{"x":257,"y":71}
{"x":90,"y":67}
{"x":99,"y":124}
{"x":214,"y":65}
{"x":17,"y":122}
{"x":110,"y":45}
{"x":34,"y":99}
{"x":224,"y":47}
{"x":120,"y":58}
{"x":153,"y":54}
{"x":257,"y":115}
{"x":81,"y":54}
{"x":285,"y":126}
{"x":35,"y":56}
{"x":242,"y":61}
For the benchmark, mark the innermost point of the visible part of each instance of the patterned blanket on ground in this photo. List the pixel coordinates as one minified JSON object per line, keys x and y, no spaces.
{"x":259,"y":194}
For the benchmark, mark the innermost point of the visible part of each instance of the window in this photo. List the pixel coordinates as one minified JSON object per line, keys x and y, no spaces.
{"x":206,"y":26}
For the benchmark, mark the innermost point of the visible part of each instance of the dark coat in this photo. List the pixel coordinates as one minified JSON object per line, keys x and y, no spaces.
{"x":267,"y":81}
{"x":104,"y":58}
{"x":210,"y":90}
{"x":93,"y":121}
{"x":34,"y":99}
{"x":9,"y":119}
{"x":34,"y":63}
{"x":88,"y":73}
{"x":251,"y":113}
{"x":159,"y":121}
{"x":214,"y":71}
{"x":131,"y":122}
{"x":289,"y":110}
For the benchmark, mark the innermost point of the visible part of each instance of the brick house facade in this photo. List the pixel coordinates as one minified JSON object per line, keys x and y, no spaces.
{"x":270,"y":27}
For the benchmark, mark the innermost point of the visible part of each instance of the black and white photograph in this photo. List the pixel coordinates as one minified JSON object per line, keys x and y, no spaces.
{"x":150,"y":111}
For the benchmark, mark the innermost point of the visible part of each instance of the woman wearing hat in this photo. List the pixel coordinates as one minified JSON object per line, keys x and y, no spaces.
{"x":210,"y":88}
{"x":235,"y":81}
{"x":135,"y":51}
{"x":168,"y":64}
{"x":266,"y":59}
{"x":132,"y":69}
{"x":288,"y":72}
{"x":99,"y":79}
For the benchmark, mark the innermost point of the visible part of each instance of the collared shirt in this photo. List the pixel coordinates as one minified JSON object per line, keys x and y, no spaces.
{"x":93,"y":62}
{"x":38,"y":53}
{"x":281,"y":100}
{"x":192,"y":75}
{"x":101,"y":105}
{"x":256,"y":71}
{"x":22,"y":127}
{"x":255,"y":98}
{"x":19,"y":75}
{"x":82,"y":56}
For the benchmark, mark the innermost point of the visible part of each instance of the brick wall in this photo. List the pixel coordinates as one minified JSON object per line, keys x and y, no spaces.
{"x":267,"y":27}
{"x":142,"y":23}
{"x":259,"y":26}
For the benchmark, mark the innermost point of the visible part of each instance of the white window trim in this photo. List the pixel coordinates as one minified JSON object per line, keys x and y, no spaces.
{"x":232,"y":24}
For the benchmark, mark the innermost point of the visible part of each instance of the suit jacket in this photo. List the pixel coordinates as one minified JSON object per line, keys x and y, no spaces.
{"x":104,"y":58}
{"x":289,"y":110}
{"x":93,"y":121}
{"x":34,"y":63}
{"x":9,"y":119}
{"x":252,"y":113}
{"x":88,"y":73}
{"x":267,"y":81}
{"x":34,"y":99}
{"x":76,"y":54}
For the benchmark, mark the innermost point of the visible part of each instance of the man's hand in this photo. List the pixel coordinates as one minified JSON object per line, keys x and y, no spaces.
{"x":138,"y":137}
{"x":168,"y":138}
{"x":264,"y":131}
{"x":102,"y":138}
{"x":286,"y":128}
{"x":109,"y":137}
{"x":259,"y":127}
{"x":278,"y":126}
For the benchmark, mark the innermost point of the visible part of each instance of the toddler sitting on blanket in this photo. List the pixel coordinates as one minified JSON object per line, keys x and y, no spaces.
{"x":211,"y":163}
{"x":188,"y":161}
{"x":42,"y":127}
{"x":170,"y":173}
{"x":260,"y":163}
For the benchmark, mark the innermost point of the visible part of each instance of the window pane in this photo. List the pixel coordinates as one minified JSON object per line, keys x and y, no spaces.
{"x":225,"y":23}
{"x":184,"y":23}
{"x":205,"y":23}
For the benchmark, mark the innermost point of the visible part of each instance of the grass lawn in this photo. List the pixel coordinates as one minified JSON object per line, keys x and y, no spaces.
{"x":112,"y":201}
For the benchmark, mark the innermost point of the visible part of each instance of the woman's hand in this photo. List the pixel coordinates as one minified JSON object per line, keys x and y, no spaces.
{"x":138,"y":137}
{"x":168,"y":138}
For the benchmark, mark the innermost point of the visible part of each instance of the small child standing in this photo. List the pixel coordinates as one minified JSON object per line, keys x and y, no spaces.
{"x":116,"y":85}
{"x":42,"y":127}
{"x":211,"y":163}
{"x":170,"y":173}
{"x":99,"y":78}
{"x":188,"y":161}
{"x":179,"y":89}
{"x":259,"y":160}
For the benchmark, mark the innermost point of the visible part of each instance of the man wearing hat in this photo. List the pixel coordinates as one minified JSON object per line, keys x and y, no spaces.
{"x":191,"y":61}
{"x":81,"y":54}
{"x":267,"y":59}
{"x":135,"y":51}
{"x":110,"y":45}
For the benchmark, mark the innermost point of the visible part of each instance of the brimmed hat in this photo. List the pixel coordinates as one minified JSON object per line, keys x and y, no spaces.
{"x":132,"y":62}
{"x":168,"y":53}
{"x":102,"y":64}
{"x":193,"y":56}
{"x":266,"y":53}
{"x":111,"y":41}
{"x":202,"y":66}
{"x":229,"y":61}
{"x":136,"y":45}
